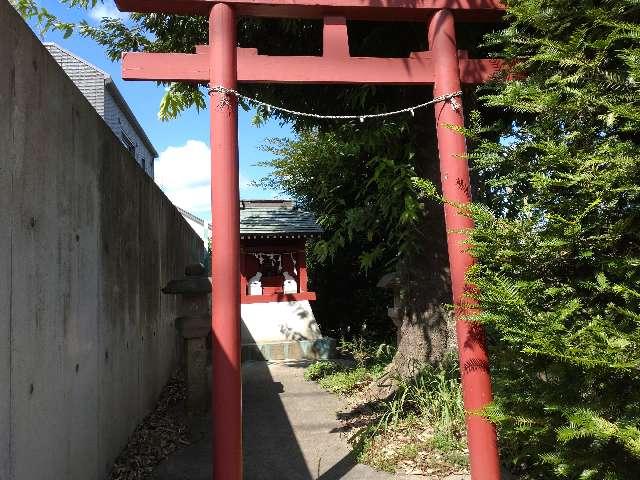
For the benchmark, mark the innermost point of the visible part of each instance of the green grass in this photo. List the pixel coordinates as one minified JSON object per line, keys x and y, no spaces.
{"x":321,"y":369}
{"x":431,"y":402}
{"x":370,"y":361}
{"x":346,"y":381}
{"x":434,"y":397}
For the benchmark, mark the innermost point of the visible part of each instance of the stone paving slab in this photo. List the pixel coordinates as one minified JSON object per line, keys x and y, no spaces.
{"x":290,"y":433}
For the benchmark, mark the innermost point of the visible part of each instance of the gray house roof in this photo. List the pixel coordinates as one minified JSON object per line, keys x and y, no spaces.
{"x":275,"y":219}
{"x":85,"y":74}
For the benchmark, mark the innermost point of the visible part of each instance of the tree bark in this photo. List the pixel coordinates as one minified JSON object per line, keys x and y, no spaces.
{"x":425,"y":329}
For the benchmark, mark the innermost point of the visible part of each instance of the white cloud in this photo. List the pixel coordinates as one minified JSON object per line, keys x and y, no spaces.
{"x":196,"y":200}
{"x":185,"y":166}
{"x":107,"y":9}
{"x":246,"y":184}
{"x":184,"y":174}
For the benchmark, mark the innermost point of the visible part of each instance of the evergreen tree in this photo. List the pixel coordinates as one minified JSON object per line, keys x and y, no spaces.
{"x":558,"y":239}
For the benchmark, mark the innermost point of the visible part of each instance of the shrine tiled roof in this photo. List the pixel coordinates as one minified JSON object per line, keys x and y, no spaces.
{"x":275,"y":219}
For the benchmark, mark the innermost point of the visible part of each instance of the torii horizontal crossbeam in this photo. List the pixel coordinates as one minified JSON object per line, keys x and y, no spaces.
{"x":403,"y":10}
{"x":253,"y":68}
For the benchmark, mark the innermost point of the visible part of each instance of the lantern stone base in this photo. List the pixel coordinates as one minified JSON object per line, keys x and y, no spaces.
{"x":194,"y":329}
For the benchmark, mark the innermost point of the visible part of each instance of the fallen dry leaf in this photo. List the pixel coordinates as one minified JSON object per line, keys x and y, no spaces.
{"x":159,"y":434}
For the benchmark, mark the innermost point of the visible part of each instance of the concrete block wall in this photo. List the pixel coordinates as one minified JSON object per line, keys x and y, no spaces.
{"x":96,"y":86}
{"x":86,"y":242}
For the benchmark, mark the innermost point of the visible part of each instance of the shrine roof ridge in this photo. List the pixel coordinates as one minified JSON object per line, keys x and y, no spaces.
{"x":388,"y":10}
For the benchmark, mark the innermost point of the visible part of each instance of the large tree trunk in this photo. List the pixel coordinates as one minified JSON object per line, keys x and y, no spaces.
{"x":425,"y":331}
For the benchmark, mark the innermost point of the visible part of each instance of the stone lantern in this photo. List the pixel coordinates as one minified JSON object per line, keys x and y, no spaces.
{"x":194,"y":326}
{"x":391,"y":281}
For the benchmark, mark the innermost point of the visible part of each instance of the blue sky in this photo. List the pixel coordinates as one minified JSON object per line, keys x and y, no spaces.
{"x":182,"y":169}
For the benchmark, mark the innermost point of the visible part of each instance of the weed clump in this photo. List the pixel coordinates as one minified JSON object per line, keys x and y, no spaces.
{"x":321,"y":369}
{"x":346,"y":381}
{"x":420,"y":430}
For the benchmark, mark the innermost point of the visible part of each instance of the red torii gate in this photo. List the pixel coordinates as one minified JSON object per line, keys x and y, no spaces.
{"x":223,"y":64}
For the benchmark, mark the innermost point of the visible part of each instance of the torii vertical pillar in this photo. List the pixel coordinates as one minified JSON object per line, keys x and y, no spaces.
{"x":456,"y":189}
{"x":226,"y":383}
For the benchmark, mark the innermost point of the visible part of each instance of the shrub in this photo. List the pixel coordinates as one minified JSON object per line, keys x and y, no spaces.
{"x":367,"y":352}
{"x":558,"y":239}
{"x":318,"y":370}
{"x":346,"y":381}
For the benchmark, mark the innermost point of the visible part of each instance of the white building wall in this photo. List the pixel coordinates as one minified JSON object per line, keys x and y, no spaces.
{"x":278,"y":322}
{"x":198,"y":228}
{"x":117,"y":121}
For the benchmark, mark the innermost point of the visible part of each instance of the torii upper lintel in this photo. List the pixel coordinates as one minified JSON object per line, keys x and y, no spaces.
{"x":397,"y":10}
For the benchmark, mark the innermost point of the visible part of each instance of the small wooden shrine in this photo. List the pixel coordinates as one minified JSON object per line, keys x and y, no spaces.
{"x":277,"y":319}
{"x":273,"y":234}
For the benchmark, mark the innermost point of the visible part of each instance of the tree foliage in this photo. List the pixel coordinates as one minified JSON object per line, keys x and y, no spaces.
{"x":558,"y":241}
{"x":359,"y":179}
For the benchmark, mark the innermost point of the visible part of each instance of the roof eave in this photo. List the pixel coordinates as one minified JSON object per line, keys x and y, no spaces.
{"x":266,"y":235}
